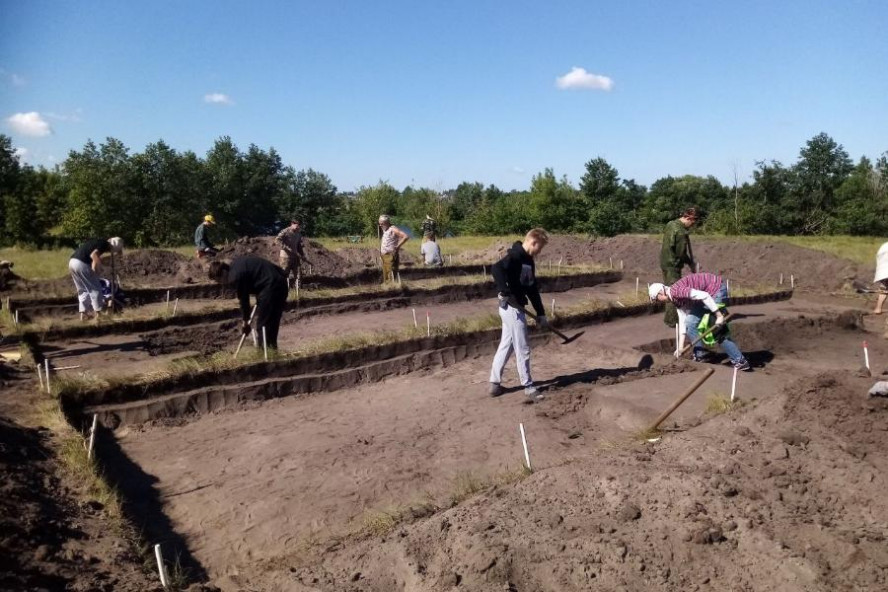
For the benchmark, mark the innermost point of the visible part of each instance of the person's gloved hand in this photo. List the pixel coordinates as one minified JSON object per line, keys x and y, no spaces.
{"x":676,"y":354}
{"x":719,"y":319}
{"x":543,"y":322}
{"x":246,"y":329}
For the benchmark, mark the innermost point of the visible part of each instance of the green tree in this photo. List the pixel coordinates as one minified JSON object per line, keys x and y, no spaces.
{"x":554,"y":203}
{"x":371,"y":202}
{"x":822,"y":168}
{"x":312,"y":197}
{"x":669,"y":196}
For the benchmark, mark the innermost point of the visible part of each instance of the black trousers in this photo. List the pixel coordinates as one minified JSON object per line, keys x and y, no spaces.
{"x":269,"y":309}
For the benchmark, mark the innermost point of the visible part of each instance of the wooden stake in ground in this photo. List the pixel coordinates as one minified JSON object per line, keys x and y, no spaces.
{"x":40,"y":376}
{"x":621,"y":265}
{"x":792,"y":281}
{"x":264,"y":344}
{"x":866,"y":355}
{"x":161,"y":568}
{"x":428,"y":324}
{"x":92,"y":436}
{"x":399,"y":279}
{"x":415,"y":325}
{"x":46,"y":371}
{"x":168,"y":301}
{"x":526,"y":451}
{"x":636,"y":287}
{"x":681,"y":399}
{"x":553,"y":308}
{"x":734,"y":385}
{"x":175,"y":307}
{"x":781,"y":279}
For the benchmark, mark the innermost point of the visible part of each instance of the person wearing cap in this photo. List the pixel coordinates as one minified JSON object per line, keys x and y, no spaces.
{"x":292,"y":249}
{"x":84,"y":265}
{"x":694,"y":295}
{"x":515,"y":276}
{"x":675,"y":253}
{"x":202,"y":240}
{"x":393,"y":238}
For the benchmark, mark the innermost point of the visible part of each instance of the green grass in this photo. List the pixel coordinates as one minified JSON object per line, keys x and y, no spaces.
{"x":717,"y":404}
{"x":38,"y":265}
{"x":449,"y":246}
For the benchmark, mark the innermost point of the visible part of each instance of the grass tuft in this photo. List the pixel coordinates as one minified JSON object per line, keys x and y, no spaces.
{"x":717,"y":404}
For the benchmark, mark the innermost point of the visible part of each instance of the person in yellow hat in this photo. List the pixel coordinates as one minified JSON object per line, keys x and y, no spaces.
{"x":202,"y":240}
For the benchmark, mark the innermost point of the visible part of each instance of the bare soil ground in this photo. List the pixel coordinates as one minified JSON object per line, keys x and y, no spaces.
{"x":414,"y":483}
{"x":694,"y":509}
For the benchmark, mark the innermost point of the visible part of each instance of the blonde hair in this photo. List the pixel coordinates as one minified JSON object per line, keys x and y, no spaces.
{"x":538,"y":234}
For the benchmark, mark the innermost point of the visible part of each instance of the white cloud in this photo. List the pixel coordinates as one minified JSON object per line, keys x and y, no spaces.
{"x":21,"y":153}
{"x":74,"y":117}
{"x":29,"y":124}
{"x":218,"y":99}
{"x":578,"y":78}
{"x":517,"y":170}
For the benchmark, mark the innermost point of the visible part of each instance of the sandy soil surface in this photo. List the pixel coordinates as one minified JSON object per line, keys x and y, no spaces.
{"x":326,"y":463}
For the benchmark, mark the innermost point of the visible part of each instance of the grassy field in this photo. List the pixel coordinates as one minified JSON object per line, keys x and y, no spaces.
{"x":48,"y":264}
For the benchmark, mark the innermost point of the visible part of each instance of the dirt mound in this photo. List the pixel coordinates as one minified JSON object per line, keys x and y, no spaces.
{"x":368,"y":257}
{"x":150,"y":263}
{"x":783,"y":496}
{"x":744,"y":261}
{"x":323,"y":261}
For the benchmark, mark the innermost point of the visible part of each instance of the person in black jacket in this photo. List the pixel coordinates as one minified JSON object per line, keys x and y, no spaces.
{"x":515,"y":276}
{"x":255,"y":275}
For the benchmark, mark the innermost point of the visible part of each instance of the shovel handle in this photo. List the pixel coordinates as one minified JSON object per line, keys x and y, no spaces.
{"x":549,"y":327}
{"x":702,"y":335}
{"x":244,"y":336}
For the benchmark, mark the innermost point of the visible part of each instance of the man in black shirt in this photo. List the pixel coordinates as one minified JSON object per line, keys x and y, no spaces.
{"x":515,"y":276}
{"x":84,"y":265}
{"x":255,"y":275}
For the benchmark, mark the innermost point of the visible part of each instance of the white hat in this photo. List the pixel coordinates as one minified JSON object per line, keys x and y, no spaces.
{"x":654,"y":290}
{"x":116,"y":244}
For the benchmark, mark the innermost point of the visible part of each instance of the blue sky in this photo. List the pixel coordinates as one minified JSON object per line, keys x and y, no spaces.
{"x":435,"y":93}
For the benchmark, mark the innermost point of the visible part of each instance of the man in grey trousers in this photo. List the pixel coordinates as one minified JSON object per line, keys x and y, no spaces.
{"x":84,"y":266}
{"x":515,"y":276}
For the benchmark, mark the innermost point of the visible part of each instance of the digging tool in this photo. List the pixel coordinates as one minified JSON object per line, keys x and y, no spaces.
{"x":564,"y":337}
{"x":702,"y":335}
{"x":113,"y":285}
{"x":244,"y":335}
{"x":862,"y":288}
{"x":681,"y":399}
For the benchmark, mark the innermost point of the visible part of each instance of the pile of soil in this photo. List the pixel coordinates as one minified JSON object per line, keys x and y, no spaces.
{"x":786,"y":495}
{"x":149,"y":263}
{"x":323,"y":261}
{"x":368,"y":257}
{"x":741,"y":260}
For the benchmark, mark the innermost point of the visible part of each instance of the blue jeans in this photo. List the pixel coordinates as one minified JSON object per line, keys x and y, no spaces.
{"x":693,"y":319}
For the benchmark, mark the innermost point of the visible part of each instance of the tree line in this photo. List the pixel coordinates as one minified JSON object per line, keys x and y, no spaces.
{"x":157,"y":198}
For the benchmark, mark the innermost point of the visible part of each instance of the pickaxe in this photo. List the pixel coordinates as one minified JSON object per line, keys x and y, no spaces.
{"x":704,"y":334}
{"x":565,"y":338}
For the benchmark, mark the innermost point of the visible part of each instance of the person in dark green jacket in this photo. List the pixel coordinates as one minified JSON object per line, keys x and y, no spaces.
{"x":676,"y":253}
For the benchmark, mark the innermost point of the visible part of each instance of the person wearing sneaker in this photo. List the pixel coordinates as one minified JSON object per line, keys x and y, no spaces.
{"x":693,"y":295}
{"x":515,"y":276}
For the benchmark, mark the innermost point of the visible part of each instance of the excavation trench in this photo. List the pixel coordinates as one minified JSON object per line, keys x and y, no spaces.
{"x":207,"y":391}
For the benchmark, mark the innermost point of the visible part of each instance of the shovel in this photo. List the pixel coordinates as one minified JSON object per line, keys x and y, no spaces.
{"x":862,"y":288}
{"x":244,"y":336}
{"x":702,"y":335}
{"x":565,"y":338}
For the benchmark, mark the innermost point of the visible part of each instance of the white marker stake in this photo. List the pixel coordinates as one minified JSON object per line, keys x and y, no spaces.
{"x":399,"y":279}
{"x":428,"y":324}
{"x":451,"y":258}
{"x":255,"y":335}
{"x":92,"y":437}
{"x":553,"y":308}
{"x":161,"y":568}
{"x":728,"y":286}
{"x":677,"y":336}
{"x":792,"y":281}
{"x":175,"y":307}
{"x":168,"y":301}
{"x":636,"y":287}
{"x":297,"y":289}
{"x":16,"y":318}
{"x":611,"y":262}
{"x":524,"y":443}
{"x":415,"y":324}
{"x":309,"y":270}
{"x":621,"y":265}
{"x":781,"y":279}
{"x":46,"y":370}
{"x":264,"y":343}
{"x":734,"y":385}
{"x":40,"y":376}
{"x":866,"y":355}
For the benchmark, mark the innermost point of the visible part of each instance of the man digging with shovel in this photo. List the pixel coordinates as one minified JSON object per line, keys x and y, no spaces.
{"x":515,"y":276}
{"x":696,"y":296}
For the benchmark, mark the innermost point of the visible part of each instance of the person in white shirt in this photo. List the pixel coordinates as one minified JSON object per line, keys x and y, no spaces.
{"x":391,"y":241}
{"x":431,"y":252}
{"x":881,"y":276}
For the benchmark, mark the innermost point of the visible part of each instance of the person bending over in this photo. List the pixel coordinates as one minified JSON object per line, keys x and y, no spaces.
{"x":515,"y":276}
{"x":84,"y":266}
{"x":694,"y":295}
{"x":264,"y":279}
